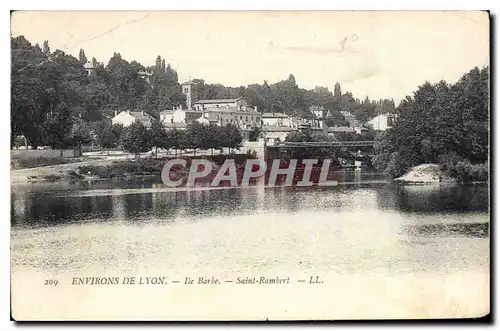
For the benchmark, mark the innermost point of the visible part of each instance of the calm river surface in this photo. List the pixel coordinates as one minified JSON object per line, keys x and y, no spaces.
{"x":362,"y":226}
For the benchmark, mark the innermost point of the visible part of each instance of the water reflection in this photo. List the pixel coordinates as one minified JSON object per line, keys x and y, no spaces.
{"x":29,"y":209}
{"x":354,"y":226}
{"x":479,"y":230}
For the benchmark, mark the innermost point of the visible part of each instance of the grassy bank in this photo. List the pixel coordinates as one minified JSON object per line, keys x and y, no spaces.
{"x":147,"y":167}
{"x":16,"y":164}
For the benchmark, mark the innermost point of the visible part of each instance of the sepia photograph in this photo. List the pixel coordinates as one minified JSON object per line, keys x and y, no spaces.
{"x":249,"y":165}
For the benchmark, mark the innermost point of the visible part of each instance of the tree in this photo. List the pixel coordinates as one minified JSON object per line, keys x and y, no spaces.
{"x":81,"y":56}
{"x":136,"y":138}
{"x":337,"y":92}
{"x":175,"y":137}
{"x":117,"y":130}
{"x":233,"y":136}
{"x":126,"y":85}
{"x":57,"y":126}
{"x":313,"y":152}
{"x":159,"y":137}
{"x":438,"y":121}
{"x":296,"y":136}
{"x":107,"y":136}
{"x":254,"y":134}
{"x":81,"y":133}
{"x":194,"y":137}
{"x":46,"y":48}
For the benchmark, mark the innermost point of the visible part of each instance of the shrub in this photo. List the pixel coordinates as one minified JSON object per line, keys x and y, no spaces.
{"x":463,"y":170}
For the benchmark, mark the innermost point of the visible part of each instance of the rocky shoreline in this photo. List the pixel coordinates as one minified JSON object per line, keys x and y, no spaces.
{"x":424,"y":174}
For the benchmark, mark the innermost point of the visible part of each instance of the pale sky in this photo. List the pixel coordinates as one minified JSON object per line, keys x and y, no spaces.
{"x":374,"y":54}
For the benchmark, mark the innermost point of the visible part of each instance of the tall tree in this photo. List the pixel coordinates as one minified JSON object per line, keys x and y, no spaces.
{"x":136,"y":138}
{"x":159,"y":136}
{"x":46,"y":48}
{"x":337,"y":92}
{"x":440,"y":122}
{"x":82,"y":57}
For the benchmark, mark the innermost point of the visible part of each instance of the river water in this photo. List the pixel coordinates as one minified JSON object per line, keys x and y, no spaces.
{"x":383,"y":251}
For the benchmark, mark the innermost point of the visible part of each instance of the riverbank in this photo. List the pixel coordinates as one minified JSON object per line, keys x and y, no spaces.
{"x":428,"y":173}
{"x":431,"y":173}
{"x":109,"y":168}
{"x":53,"y":172}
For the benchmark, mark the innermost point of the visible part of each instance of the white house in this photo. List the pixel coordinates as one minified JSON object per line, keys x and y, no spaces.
{"x":179,"y":115}
{"x":238,"y":103}
{"x":89,"y":68}
{"x":128,"y":117}
{"x":276,"y":119}
{"x":244,"y":119}
{"x":382,"y":122}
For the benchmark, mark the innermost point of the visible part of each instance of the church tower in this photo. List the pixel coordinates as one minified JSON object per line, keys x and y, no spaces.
{"x":188,"y":91}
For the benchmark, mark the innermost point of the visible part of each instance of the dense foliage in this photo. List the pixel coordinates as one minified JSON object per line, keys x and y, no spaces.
{"x":52,"y":92}
{"x":136,"y":138}
{"x":441,"y":123}
{"x":286,"y":97}
{"x":56,"y":101}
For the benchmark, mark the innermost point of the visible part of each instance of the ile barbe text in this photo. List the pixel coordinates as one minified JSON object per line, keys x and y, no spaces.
{"x":163,"y":280}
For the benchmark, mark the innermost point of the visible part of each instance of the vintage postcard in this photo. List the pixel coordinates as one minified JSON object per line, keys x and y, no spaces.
{"x":249,"y":165}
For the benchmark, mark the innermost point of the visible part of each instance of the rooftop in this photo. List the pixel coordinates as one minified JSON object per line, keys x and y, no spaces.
{"x":141,"y":116}
{"x":275,"y":115}
{"x":171,"y":111}
{"x":189,"y":82}
{"x":248,"y":110}
{"x":217,"y":101}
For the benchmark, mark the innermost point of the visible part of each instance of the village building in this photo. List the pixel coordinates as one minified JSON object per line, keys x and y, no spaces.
{"x":238,"y":103}
{"x":353,"y":122}
{"x":89,"y":68}
{"x":187,"y":89}
{"x":235,"y":111}
{"x":276,"y":133}
{"x":241,"y":116}
{"x":313,"y":123}
{"x":243,"y":119}
{"x":179,"y":115}
{"x":128,"y":117}
{"x":276,"y":119}
{"x":382,"y":122}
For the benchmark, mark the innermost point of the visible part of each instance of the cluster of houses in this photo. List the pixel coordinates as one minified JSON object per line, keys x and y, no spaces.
{"x":238,"y":112}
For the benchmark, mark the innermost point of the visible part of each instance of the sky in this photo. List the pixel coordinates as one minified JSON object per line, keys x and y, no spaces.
{"x":374,"y":54}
